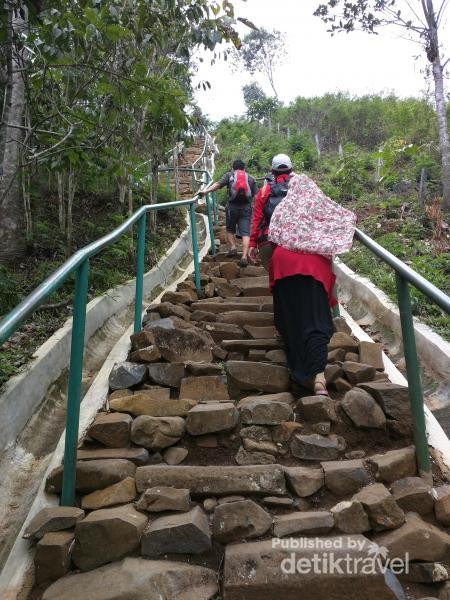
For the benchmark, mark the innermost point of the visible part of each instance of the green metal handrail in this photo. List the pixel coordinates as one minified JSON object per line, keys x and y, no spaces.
{"x":78,"y":263}
{"x":405,"y":275}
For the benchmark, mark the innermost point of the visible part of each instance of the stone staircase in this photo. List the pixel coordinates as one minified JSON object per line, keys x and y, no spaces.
{"x":186,"y":160}
{"x":210,"y":475}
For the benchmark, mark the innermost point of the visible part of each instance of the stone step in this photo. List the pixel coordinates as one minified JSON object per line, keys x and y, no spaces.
{"x":246,"y":345}
{"x":253,"y":286}
{"x":244,"y":317}
{"x":224,"y":307}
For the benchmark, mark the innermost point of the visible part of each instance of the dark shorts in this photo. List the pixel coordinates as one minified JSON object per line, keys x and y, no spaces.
{"x":239,"y":215}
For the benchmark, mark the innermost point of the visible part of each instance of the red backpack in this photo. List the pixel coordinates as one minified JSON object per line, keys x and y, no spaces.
{"x":239,"y":187}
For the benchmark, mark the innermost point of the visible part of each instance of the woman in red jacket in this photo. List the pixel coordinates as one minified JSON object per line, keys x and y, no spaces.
{"x":301,"y":284}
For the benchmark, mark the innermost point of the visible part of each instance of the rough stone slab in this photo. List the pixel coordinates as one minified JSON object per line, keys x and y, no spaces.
{"x":350,"y":517}
{"x":53,"y":518}
{"x":53,"y":556}
{"x":382,"y":509}
{"x":223,"y":331}
{"x":442,"y":504}
{"x":211,"y":418}
{"x":253,"y":286}
{"x":175,"y":455}
{"x":247,"y":457}
{"x":306,"y":523}
{"x":141,"y":339}
{"x":317,"y":408}
{"x":205,"y":387}
{"x":202,"y":368}
{"x":345,"y":477}
{"x":161,"y":499}
{"x":92,"y":475}
{"x":357,"y":372}
{"x":258,"y":333}
{"x":248,"y":375}
{"x":203,"y":315}
{"x":371,"y":353}
{"x":169,"y":374}
{"x":127,"y":374}
{"x":363,"y":410}
{"x":183,"y":297}
{"x":121,"y":492}
{"x":183,"y":345}
{"x":253,"y":572}
{"x":225,"y":307}
{"x":260,"y":411}
{"x":137,"y":579}
{"x":237,"y":521}
{"x":153,"y":407}
{"x":315,"y":447}
{"x":420,"y":539}
{"x":413,"y":494}
{"x":186,"y":533}
{"x":106,"y":535}
{"x":139,"y":456}
{"x":167,"y":309}
{"x":428,"y":572}
{"x":227,"y":290}
{"x":246,"y":317}
{"x":157,"y":432}
{"x":111,"y":429}
{"x":215,"y":480}
{"x":246,"y":345}
{"x":146,"y":355}
{"x":304,"y":481}
{"x":260,"y":446}
{"x":395,"y":464}
{"x":344,"y":341}
{"x":393,"y":398}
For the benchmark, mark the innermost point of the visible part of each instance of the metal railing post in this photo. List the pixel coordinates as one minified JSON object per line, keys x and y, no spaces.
{"x":210,"y":224}
{"x":168,"y":181}
{"x":215,"y":207}
{"x":414,"y":383}
{"x":335,"y":310}
{"x":192,"y":218}
{"x":74,"y":385}
{"x":193,"y":183}
{"x":140,"y":256}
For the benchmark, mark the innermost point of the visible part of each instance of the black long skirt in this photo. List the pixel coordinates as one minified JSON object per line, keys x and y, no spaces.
{"x":303,"y":317}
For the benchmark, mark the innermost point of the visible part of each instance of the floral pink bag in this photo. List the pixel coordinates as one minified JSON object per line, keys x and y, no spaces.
{"x":308,"y":221}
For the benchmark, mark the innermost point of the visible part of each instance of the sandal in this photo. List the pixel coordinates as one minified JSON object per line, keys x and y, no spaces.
{"x":320,"y":388}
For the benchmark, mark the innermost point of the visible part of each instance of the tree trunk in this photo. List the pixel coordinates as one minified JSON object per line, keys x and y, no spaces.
{"x":12,"y":239}
{"x":61,"y":202}
{"x":71,"y":185}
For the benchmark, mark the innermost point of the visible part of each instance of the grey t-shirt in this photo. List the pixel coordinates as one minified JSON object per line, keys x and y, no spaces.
{"x":225,"y":180}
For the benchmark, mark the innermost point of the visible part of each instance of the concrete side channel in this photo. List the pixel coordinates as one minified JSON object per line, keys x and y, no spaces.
{"x":33,"y":405}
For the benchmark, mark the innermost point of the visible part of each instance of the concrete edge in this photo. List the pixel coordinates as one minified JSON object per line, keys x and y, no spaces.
{"x":432,"y":349}
{"x":16,"y":575}
{"x":437,"y":438}
{"x":26,"y":391}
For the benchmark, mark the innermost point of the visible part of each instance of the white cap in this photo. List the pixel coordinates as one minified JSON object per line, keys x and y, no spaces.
{"x":281,"y":162}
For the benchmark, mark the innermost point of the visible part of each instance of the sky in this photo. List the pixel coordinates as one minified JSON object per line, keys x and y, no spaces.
{"x":316,"y":62}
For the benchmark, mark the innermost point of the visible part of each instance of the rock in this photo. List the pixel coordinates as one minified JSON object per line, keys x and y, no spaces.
{"x":170,"y":323}
{"x":127,"y":374}
{"x":258,"y":433}
{"x":139,"y":579}
{"x":229,"y":270}
{"x":336,"y":356}
{"x":355,"y":454}
{"x":317,"y":408}
{"x":53,"y":556}
{"x":278,"y":502}
{"x":223,"y":331}
{"x":345,"y":477}
{"x":442,"y":504}
{"x":186,"y":285}
{"x":342,"y":385}
{"x":264,"y":570}
{"x":245,"y":457}
{"x":186,"y":533}
{"x":247,"y":317}
{"x":421,"y":540}
{"x":383,"y":511}
{"x":111,"y":430}
{"x":341,"y":325}
{"x":362,"y":410}
{"x":203,"y":315}
{"x":53,"y":518}
{"x":209,"y":290}
{"x":263,"y":411}
{"x":393,"y":399}
{"x":413,"y":494}
{"x":245,"y":345}
{"x":119,"y":394}
{"x":92,"y":475}
{"x":167,"y":309}
{"x":351,"y":357}
{"x":248,"y":375}
{"x":314,"y":447}
{"x":157,"y":432}
{"x":183,"y":345}
{"x":277,"y":356}
{"x":371,"y":353}
{"x":211,"y":417}
{"x":322,"y":428}
{"x":175,"y":456}
{"x":227,"y":290}
{"x":258,"y":333}
{"x":230,"y":499}
{"x":350,"y":517}
{"x":254,"y":446}
{"x":427,"y":572}
{"x":253,"y":286}
{"x":357,"y":372}
{"x":203,"y":368}
{"x":306,"y":523}
{"x":119,"y":493}
{"x":141,"y":404}
{"x":141,"y":339}
{"x":215,"y":479}
{"x":167,"y":374}
{"x":161,"y":499}
{"x":106,"y":535}
{"x":139,"y":456}
{"x":332,"y":372}
{"x":146,"y":355}
{"x":183,"y":297}
{"x":206,"y":387}
{"x":304,"y":481}
{"x":150,"y":390}
{"x":344,"y":341}
{"x":239,"y":520}
{"x":283,"y":432}
{"x":395,"y":464}
{"x":209,"y":504}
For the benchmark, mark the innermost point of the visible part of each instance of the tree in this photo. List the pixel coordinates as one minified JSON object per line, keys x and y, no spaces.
{"x":252,"y":92}
{"x":261,"y":51}
{"x":423,"y":23}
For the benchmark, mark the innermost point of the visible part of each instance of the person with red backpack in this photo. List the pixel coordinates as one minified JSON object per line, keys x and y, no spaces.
{"x":241,"y":191}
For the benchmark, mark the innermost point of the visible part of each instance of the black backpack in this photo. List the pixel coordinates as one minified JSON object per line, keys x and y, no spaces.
{"x":277,"y":192}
